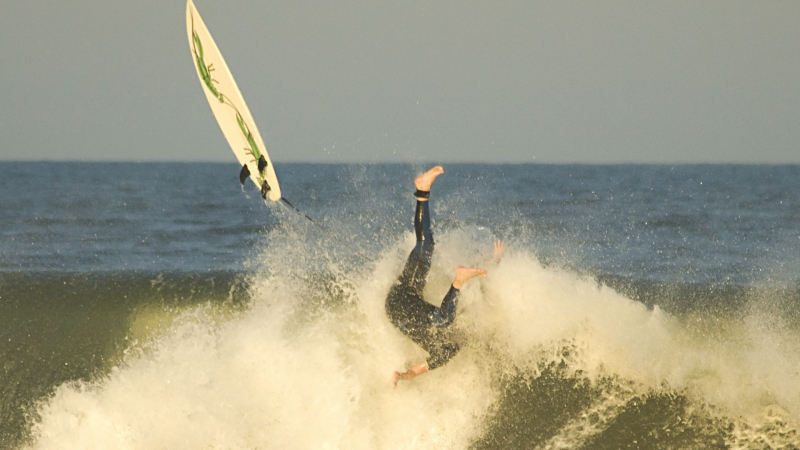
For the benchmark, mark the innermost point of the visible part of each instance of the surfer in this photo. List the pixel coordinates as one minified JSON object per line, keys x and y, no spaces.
{"x":422,"y":322}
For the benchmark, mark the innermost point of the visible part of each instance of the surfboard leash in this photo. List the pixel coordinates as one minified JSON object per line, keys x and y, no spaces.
{"x":283,"y":199}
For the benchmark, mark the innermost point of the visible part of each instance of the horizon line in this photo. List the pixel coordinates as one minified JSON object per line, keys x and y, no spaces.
{"x":394,"y":162}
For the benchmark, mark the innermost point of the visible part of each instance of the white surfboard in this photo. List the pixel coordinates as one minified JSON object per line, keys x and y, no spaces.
{"x":229,"y":107}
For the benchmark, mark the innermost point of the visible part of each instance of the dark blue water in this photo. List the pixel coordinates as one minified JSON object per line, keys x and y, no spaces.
{"x":78,"y":217}
{"x":704,"y":223}
{"x":640,"y":306}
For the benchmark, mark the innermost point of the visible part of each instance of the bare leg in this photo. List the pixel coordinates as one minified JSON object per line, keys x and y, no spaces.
{"x":413,"y":372}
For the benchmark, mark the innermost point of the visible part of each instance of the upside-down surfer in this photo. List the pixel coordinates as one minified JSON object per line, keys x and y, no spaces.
{"x":422,"y":322}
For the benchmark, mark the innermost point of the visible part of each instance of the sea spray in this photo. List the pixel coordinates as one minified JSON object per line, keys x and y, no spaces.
{"x":550,"y":359}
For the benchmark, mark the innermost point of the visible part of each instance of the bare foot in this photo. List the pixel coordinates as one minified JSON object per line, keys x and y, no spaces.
{"x":395,"y":379}
{"x":424,"y":181}
{"x":464,"y":274}
{"x":499,"y":249}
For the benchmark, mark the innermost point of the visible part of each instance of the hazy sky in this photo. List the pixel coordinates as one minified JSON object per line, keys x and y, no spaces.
{"x":409,"y":81}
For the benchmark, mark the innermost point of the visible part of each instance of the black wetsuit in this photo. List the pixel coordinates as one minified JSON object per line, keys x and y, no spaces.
{"x":424,"y":323}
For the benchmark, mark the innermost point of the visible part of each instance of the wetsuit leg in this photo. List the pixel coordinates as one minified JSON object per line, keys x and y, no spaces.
{"x":441,"y":350}
{"x":405,"y":304}
{"x":442,"y":354}
{"x":422,"y":228}
{"x":406,"y":307}
{"x":446,"y":313}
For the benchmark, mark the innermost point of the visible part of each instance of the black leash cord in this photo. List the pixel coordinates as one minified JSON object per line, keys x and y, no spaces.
{"x":322,"y":228}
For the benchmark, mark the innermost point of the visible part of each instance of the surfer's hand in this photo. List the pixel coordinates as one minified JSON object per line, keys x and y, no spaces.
{"x":395,"y":379}
{"x":499,"y":249}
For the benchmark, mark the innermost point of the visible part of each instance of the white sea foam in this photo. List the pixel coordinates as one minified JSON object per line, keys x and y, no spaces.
{"x":307,"y":365}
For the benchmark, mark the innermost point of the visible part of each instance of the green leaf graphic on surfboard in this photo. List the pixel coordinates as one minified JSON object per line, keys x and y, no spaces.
{"x":205,"y":74}
{"x":205,"y":70}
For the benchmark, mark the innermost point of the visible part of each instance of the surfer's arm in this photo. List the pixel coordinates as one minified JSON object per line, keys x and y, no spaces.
{"x":415,"y":371}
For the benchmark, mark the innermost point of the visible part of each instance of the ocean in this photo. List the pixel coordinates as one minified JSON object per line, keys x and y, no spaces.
{"x":162,"y":306}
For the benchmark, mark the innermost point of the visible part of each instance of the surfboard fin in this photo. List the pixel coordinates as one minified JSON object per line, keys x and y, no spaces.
{"x":244,"y":174}
{"x":262,"y":164}
{"x":265,"y":189}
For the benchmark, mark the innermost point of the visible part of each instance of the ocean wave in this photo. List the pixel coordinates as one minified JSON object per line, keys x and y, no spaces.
{"x":298,"y":353}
